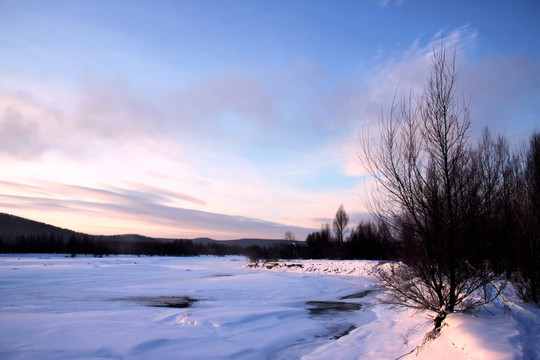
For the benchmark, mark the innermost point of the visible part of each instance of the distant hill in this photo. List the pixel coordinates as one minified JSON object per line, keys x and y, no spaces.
{"x":13,"y":227}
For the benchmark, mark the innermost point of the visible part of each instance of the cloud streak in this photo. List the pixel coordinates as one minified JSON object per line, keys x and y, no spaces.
{"x":146,"y":204}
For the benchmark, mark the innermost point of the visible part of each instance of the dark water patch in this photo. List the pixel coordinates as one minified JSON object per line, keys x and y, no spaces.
{"x":219,"y":275}
{"x":324,"y":307}
{"x":345,"y":333}
{"x":164,"y":301}
{"x":359,"y":295}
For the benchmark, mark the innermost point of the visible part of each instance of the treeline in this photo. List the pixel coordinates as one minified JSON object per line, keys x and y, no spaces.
{"x":114,"y":245}
{"x":508,"y":233}
{"x":367,"y":241}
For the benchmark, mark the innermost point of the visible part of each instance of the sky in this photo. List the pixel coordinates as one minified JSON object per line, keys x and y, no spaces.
{"x":231,"y":119}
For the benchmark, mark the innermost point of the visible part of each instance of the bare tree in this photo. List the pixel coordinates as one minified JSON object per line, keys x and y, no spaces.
{"x":289,"y":236}
{"x":340,"y":224}
{"x":429,"y":194}
{"x":291,"y":239}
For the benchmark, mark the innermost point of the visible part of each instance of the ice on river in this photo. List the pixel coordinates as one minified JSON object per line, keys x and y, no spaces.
{"x":128,"y":307}
{"x":86,"y":307}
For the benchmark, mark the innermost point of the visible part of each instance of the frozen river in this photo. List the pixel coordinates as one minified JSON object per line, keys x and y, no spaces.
{"x":132,"y":307}
{"x":127,"y":307}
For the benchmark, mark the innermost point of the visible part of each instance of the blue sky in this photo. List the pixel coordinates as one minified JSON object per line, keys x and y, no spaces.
{"x":231,"y":118}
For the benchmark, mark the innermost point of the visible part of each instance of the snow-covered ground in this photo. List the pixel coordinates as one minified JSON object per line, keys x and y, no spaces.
{"x":54,"y":307}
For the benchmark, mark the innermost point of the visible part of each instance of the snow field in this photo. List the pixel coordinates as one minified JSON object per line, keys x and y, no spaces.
{"x":62,"y":308}
{"x":57,"y":307}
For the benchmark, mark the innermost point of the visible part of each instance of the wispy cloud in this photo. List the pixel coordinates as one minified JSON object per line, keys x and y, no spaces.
{"x":149,"y":206}
{"x":25,"y":124}
{"x":165,"y":193}
{"x":207,"y":101}
{"x":104,"y":113}
{"x":111,"y":109}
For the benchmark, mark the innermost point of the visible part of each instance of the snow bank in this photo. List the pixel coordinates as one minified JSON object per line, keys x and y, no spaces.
{"x":324,"y":267}
{"x":502,"y":330}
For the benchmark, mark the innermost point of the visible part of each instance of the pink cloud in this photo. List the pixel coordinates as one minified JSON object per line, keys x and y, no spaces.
{"x":140,"y":208}
{"x":171,"y":194}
